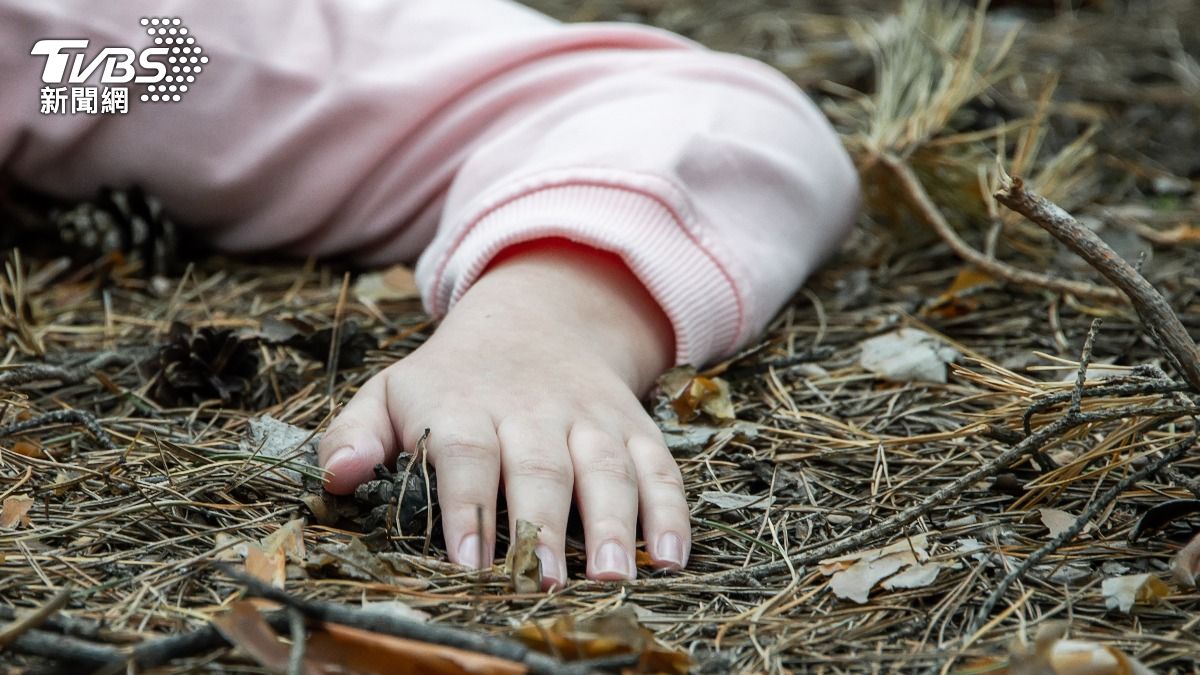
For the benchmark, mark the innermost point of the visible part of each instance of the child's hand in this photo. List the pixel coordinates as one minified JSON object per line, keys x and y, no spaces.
{"x":534,"y":378}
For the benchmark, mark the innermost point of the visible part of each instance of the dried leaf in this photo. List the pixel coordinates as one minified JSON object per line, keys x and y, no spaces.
{"x":358,"y":651}
{"x":524,"y":567}
{"x":29,"y":449}
{"x":269,"y":437}
{"x":395,"y":608}
{"x":907,"y":355}
{"x":15,"y":511}
{"x":1163,"y":515}
{"x":288,"y":540}
{"x":267,"y":567}
{"x":914,"y":576}
{"x":610,"y":634}
{"x":1079,"y":657}
{"x":690,"y":394}
{"x":1056,"y":521}
{"x":733,"y":500}
{"x":355,"y":561}
{"x":955,"y":301}
{"x":395,"y":283}
{"x":1052,"y":655}
{"x":1185,"y":565}
{"x":918,"y":543}
{"x":1123,"y":592}
{"x":246,"y":628}
{"x":855,"y":582}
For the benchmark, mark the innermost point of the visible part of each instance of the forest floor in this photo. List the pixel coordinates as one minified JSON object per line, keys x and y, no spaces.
{"x":911,"y":452}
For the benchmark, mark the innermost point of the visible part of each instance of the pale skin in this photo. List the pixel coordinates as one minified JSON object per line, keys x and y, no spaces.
{"x":531,"y":385}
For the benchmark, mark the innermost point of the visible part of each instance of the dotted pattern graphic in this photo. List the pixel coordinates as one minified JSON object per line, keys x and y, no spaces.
{"x":185,"y":60}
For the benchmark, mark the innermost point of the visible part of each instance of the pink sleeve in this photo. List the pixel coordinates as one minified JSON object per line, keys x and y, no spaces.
{"x":388,"y":129}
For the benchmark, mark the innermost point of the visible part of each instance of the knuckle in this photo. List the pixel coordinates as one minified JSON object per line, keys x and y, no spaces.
{"x":452,"y":447}
{"x":606,"y":527}
{"x":665,"y":476}
{"x":612,"y":465}
{"x":543,"y":468}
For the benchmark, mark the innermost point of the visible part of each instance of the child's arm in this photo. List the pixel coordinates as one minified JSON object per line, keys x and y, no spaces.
{"x":382,"y":129}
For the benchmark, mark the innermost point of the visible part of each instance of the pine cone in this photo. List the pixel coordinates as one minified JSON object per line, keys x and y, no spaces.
{"x":128,"y":222}
{"x":205,"y":364}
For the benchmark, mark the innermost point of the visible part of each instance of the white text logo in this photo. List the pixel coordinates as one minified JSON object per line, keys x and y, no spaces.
{"x":167,"y":69}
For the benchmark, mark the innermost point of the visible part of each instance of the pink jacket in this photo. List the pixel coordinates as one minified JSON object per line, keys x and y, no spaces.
{"x":446,"y":130}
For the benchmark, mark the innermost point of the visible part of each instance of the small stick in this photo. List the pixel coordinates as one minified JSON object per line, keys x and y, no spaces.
{"x":896,"y":524}
{"x":500,"y":647}
{"x":1156,"y":314}
{"x":79,"y":417}
{"x":1109,"y":388}
{"x":928,"y":212}
{"x":36,"y":618}
{"x":62,"y":648}
{"x":1081,"y":375}
{"x":1057,"y":542}
{"x":296,"y":628}
{"x":36,"y":372}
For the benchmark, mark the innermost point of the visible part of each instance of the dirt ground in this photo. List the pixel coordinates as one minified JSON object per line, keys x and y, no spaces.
{"x":828,"y":458}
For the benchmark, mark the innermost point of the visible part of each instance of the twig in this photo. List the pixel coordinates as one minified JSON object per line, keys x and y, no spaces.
{"x":1156,"y":314}
{"x":162,"y":650}
{"x":296,"y":628}
{"x":895,"y":524}
{"x":1095,"y":507}
{"x":1156,"y":386}
{"x":1081,"y":374}
{"x":61,"y":648}
{"x":36,"y":618}
{"x":79,"y":417}
{"x":929,"y":212}
{"x":37,"y":372}
{"x":407,"y":628}
{"x":76,"y":627}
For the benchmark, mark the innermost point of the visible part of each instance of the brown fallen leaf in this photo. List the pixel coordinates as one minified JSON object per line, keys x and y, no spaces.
{"x":288,"y":540}
{"x":957,"y":301}
{"x":524,"y":567}
{"x":29,"y":449}
{"x":609,"y":634}
{"x":15,"y":511}
{"x":270,"y":568}
{"x":360,"y":651}
{"x":691,"y":394}
{"x":355,"y":560}
{"x":246,"y":629}
{"x":1185,"y":565}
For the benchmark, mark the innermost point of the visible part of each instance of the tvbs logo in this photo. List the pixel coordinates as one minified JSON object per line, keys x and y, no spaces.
{"x":167,"y":69}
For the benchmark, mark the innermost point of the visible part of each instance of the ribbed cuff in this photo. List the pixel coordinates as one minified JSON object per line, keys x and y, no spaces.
{"x":641,"y":218}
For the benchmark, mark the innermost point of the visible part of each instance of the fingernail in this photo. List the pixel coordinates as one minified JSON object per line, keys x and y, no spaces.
{"x":670,"y":550}
{"x":612,"y":562}
{"x":342,"y":454}
{"x":468,"y":551}
{"x":552,"y":572}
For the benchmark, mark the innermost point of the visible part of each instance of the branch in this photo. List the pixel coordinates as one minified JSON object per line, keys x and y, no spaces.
{"x":897,"y":524}
{"x":1159,"y":319}
{"x":929,"y":212}
{"x":1098,"y":504}
{"x":447,"y":636}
